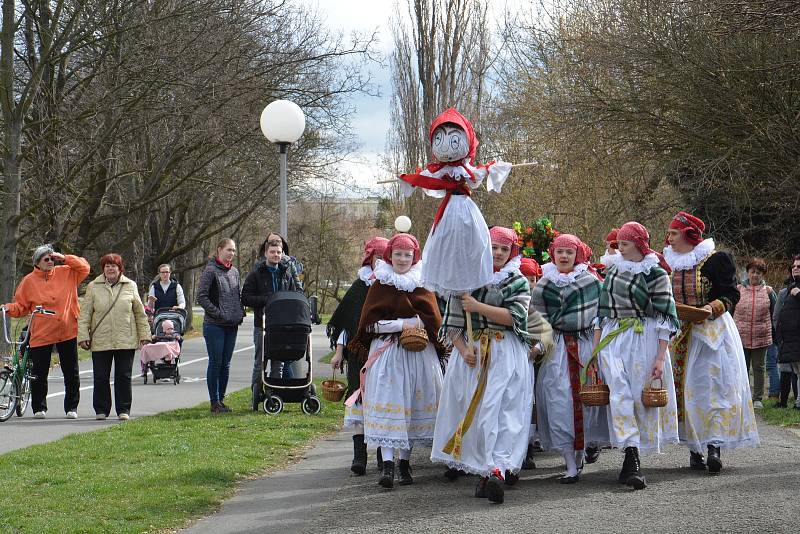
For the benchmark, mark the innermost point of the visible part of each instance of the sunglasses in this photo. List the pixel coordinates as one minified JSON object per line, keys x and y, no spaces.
{"x":48,"y":259}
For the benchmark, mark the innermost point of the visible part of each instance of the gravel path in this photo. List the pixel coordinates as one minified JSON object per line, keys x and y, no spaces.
{"x":756,"y":492}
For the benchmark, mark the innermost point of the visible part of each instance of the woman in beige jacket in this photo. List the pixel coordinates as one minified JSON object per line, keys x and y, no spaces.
{"x":112,"y":325}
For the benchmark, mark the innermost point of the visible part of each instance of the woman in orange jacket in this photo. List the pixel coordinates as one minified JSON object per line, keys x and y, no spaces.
{"x":54,"y":287}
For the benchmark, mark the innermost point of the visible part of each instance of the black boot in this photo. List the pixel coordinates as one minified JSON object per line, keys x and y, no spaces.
{"x":696,"y":461}
{"x":405,"y":473}
{"x":379,"y":460}
{"x":591,"y":454}
{"x":511,"y":478}
{"x":494,"y":487}
{"x":480,"y":489}
{"x":631,"y":474}
{"x":386,"y":479}
{"x":786,"y":386}
{"x":528,"y":462}
{"x":359,"y":465}
{"x":714,"y":462}
{"x":452,"y":474}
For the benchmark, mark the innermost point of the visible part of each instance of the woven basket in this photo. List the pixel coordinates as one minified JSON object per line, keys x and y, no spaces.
{"x":654,"y":397}
{"x":414,"y":339}
{"x":690,"y":313}
{"x":594,"y":392}
{"x":333,"y":390}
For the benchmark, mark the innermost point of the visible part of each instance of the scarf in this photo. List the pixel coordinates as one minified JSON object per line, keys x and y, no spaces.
{"x":571,"y":307}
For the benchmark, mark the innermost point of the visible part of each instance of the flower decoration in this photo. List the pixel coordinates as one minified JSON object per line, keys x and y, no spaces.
{"x":535,"y":239}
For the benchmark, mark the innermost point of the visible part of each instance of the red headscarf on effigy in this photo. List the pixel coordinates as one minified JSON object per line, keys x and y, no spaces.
{"x":376,"y":245}
{"x":403,"y":242}
{"x":447,"y":183}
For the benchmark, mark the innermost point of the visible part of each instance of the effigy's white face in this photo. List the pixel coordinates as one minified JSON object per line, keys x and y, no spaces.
{"x":449,"y":143}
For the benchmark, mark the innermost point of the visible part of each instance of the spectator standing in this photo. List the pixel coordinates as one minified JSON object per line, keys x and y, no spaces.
{"x":54,"y":287}
{"x":165,"y":291}
{"x":753,"y":317}
{"x":219,"y":294}
{"x":112,"y":325}
{"x":787,"y":331}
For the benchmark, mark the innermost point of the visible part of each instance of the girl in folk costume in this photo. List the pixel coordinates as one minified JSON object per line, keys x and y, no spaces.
{"x":567,"y":296}
{"x":636,"y":319}
{"x":611,"y":255}
{"x":484,"y":415}
{"x":715,"y":409}
{"x":400,"y":389}
{"x":342,"y":328}
{"x":542,"y":339}
{"x":457,"y":256}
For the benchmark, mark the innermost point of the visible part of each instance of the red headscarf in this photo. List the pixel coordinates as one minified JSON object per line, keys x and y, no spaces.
{"x":404,"y":242}
{"x":638,"y":235}
{"x":451,"y":116}
{"x":530,"y":267}
{"x":582,"y":250}
{"x":505,"y":236}
{"x":690,"y":226}
{"x":611,"y":238}
{"x":376,"y":245}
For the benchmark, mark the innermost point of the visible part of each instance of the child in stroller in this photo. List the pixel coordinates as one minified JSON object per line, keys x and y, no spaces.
{"x":161,"y":357}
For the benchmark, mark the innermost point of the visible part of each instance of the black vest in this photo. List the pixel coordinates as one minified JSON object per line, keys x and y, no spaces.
{"x":166,"y":299}
{"x":789,"y":329}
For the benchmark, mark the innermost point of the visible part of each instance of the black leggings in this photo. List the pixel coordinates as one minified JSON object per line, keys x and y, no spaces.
{"x":68,"y":356}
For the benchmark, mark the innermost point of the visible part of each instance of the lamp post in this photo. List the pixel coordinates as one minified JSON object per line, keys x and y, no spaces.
{"x":282,"y":123}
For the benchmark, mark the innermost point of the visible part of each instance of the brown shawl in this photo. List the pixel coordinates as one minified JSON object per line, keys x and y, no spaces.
{"x":385,"y":302}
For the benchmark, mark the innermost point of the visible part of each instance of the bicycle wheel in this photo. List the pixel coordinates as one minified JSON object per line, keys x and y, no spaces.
{"x":24,"y":395}
{"x":8,"y":395}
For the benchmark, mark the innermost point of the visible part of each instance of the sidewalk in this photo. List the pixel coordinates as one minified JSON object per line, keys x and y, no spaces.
{"x":755,"y":493}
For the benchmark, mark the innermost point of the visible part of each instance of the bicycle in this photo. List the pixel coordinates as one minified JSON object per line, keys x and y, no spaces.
{"x":15,"y":376}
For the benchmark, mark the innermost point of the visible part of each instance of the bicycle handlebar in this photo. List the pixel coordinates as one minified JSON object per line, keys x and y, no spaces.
{"x":38,"y":310}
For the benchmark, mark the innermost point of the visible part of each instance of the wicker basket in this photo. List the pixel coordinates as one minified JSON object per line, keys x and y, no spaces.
{"x":414,"y":339}
{"x":690,"y":313}
{"x":654,"y":397}
{"x":333,"y":390}
{"x":594,"y":392}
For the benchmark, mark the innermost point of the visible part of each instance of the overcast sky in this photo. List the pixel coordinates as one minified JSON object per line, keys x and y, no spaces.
{"x":370,"y":123}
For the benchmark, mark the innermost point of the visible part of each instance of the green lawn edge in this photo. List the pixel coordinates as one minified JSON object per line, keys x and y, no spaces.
{"x":786,"y":417}
{"x":152,"y":474}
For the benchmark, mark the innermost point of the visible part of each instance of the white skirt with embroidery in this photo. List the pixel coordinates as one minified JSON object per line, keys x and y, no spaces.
{"x":401,"y":397}
{"x":554,"y":409}
{"x":498,"y":435}
{"x":457,"y":257}
{"x":625,"y":365}
{"x":354,"y":416}
{"x":718,"y":405}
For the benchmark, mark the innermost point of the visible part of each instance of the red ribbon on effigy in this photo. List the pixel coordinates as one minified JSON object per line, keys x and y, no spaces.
{"x":446,"y":183}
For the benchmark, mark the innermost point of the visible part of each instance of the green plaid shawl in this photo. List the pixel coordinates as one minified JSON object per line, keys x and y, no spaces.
{"x":571,"y":308}
{"x":513,"y":293}
{"x":627,"y":294}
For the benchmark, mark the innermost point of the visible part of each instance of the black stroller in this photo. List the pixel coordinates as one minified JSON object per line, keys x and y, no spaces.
{"x":163,"y":369}
{"x":287,"y":338}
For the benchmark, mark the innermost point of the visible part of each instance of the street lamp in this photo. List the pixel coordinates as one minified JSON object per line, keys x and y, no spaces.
{"x":282,"y":123}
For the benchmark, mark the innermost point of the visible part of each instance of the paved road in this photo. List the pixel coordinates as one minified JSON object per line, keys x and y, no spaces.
{"x":148,"y":399}
{"x":757,"y":492}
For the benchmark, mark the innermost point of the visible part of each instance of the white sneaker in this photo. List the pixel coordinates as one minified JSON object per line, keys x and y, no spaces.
{"x":100,"y":416}
{"x":72,"y":415}
{"x":758,"y":405}
{"x":124,"y":417}
{"x":39,"y":415}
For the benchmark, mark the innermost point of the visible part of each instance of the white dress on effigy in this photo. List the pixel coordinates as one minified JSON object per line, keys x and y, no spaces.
{"x":498,"y":435}
{"x":402,"y":388}
{"x":457,"y":257}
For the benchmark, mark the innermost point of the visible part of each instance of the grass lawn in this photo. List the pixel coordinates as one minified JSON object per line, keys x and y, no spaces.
{"x":153,"y":473}
{"x":780,"y":416}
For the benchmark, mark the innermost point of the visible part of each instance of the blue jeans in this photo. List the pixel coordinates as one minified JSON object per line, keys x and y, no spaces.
{"x":772,"y":371}
{"x":220,"y":341}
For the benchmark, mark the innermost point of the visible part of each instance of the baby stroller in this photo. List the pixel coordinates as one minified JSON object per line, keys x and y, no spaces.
{"x":164,"y":367}
{"x":287,"y":338}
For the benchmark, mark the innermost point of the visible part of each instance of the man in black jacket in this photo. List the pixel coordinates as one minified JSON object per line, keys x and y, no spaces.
{"x":273,"y":272}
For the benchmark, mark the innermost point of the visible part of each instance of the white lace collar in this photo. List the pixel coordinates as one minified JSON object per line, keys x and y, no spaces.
{"x":510,"y":267}
{"x":366,"y":275}
{"x":637,"y":267}
{"x":609,"y":260}
{"x":551,"y":272}
{"x":404,"y":282}
{"x":688,"y":260}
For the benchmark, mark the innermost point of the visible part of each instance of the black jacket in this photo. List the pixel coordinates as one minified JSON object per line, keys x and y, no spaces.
{"x":261,"y":283}
{"x":787,"y":323}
